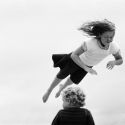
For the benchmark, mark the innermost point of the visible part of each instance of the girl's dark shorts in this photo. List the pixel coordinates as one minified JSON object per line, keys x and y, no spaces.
{"x":68,"y":67}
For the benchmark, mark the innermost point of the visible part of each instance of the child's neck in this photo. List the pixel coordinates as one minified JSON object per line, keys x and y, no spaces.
{"x":101,"y":45}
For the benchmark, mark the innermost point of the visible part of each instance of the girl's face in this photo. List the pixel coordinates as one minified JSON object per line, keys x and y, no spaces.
{"x":107,"y":37}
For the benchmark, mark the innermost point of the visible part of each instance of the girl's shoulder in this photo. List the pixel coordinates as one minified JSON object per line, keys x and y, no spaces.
{"x":114,"y":47}
{"x":90,"y":43}
{"x":114,"y":43}
{"x":92,"y":39}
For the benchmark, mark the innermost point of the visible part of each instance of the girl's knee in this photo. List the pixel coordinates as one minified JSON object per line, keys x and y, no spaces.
{"x":69,"y":80}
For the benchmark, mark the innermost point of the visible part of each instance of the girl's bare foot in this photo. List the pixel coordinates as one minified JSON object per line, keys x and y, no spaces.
{"x":45,"y":97}
{"x":60,"y":89}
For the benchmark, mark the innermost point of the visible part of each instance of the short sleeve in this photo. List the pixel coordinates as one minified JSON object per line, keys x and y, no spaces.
{"x":89,"y":44}
{"x":114,"y":48}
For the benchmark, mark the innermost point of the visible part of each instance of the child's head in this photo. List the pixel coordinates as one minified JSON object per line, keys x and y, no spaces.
{"x":97,"y":28}
{"x":73,"y":97}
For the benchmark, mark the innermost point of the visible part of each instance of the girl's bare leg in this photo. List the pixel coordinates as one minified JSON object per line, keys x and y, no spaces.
{"x":63,"y":86}
{"x":55,"y":82}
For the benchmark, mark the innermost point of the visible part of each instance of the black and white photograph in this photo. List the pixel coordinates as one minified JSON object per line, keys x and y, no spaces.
{"x":62,"y":62}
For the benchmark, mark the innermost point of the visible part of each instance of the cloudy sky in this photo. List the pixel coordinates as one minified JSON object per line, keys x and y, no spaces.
{"x":30,"y":32}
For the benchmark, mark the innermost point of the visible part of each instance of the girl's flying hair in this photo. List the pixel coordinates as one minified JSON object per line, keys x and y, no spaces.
{"x":96,"y":28}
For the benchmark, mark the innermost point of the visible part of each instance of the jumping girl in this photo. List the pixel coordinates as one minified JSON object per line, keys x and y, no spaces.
{"x":91,"y":52}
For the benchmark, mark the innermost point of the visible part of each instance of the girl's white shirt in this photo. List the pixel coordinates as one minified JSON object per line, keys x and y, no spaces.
{"x":94,"y":54}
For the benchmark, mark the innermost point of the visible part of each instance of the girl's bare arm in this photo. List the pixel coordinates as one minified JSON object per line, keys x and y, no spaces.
{"x":118,"y":60}
{"x":75,"y":57}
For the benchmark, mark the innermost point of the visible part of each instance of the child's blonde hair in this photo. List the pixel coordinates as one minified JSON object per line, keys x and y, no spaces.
{"x":74,"y":96}
{"x":96,"y":28}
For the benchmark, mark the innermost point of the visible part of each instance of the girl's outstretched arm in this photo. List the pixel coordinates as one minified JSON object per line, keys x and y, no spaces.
{"x":118,"y":60}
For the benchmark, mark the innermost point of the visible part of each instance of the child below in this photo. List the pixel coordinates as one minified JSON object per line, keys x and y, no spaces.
{"x":72,"y":112}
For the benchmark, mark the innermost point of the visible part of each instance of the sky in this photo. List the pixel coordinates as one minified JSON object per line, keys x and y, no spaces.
{"x":30,"y":32}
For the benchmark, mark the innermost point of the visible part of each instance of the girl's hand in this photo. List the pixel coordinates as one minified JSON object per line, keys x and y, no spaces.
{"x":110,"y":65}
{"x":91,"y":71}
